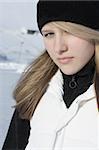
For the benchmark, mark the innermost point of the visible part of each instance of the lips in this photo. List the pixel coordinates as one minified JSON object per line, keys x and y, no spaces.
{"x":65,"y":60}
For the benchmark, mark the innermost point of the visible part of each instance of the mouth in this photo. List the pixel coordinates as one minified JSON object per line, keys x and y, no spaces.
{"x":65,"y":60}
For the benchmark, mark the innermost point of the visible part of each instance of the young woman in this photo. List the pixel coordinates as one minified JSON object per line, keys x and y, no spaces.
{"x":59,"y":92}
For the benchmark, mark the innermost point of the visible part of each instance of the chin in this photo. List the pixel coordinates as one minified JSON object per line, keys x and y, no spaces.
{"x":69,"y":72}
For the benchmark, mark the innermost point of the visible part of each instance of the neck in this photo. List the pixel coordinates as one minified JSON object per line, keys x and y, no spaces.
{"x":79,"y":82}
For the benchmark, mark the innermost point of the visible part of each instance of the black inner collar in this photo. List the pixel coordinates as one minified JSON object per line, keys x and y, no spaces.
{"x":78,"y":83}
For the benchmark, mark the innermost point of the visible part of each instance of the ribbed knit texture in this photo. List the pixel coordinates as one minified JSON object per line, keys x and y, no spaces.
{"x":81,"y":12}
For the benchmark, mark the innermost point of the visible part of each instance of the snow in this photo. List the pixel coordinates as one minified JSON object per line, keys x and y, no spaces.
{"x":17,"y":50}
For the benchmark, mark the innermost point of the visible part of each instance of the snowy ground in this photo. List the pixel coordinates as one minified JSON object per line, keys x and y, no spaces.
{"x":17,"y":49}
{"x":13,"y":60}
{"x":9,"y":75}
{"x":8,"y":79}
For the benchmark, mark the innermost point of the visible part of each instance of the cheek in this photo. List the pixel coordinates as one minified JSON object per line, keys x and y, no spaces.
{"x":89,"y":50}
{"x":86,"y":53}
{"x":48,"y":45}
{"x":85,"y":48}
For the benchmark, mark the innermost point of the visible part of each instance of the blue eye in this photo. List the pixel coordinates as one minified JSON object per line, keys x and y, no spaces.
{"x":48,"y":34}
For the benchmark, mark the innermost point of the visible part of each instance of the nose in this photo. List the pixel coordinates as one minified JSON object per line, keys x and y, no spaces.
{"x":60,"y":44}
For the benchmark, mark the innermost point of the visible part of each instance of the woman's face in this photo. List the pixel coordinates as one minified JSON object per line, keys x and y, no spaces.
{"x":69,"y":53}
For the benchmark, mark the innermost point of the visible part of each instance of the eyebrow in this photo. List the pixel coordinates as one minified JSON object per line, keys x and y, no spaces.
{"x":47,"y":30}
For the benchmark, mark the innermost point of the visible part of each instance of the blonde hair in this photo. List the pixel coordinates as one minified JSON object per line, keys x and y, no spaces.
{"x":34,"y":81}
{"x":87,"y":34}
{"x":33,"y":84}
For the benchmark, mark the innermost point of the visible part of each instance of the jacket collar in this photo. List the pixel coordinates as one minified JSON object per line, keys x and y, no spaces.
{"x":56,"y":87}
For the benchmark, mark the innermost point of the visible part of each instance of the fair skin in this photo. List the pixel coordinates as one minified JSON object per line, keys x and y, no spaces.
{"x":70,"y":53}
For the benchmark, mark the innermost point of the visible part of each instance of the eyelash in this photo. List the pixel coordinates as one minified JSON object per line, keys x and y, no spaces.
{"x":48,"y":34}
{"x":51,"y":34}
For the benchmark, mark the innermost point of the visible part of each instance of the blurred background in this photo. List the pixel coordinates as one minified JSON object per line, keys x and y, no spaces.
{"x":20,"y":44}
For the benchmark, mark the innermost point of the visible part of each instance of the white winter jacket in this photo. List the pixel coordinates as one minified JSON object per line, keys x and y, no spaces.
{"x":54,"y":127}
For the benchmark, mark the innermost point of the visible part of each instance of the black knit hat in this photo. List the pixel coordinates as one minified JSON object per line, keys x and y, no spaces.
{"x":81,"y":12}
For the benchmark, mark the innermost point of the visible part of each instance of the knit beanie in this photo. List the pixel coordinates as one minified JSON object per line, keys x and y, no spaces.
{"x":81,"y":12}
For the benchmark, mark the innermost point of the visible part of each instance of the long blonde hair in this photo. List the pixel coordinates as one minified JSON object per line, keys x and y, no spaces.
{"x":34,"y":81}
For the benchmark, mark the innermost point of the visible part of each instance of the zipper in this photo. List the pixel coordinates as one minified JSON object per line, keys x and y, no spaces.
{"x":73,"y":83}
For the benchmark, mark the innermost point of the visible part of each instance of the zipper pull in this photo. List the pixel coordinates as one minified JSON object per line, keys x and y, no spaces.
{"x":72,"y":83}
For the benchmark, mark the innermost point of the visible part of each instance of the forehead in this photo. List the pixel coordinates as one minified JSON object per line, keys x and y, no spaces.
{"x":62,"y":25}
{"x":48,"y":25}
